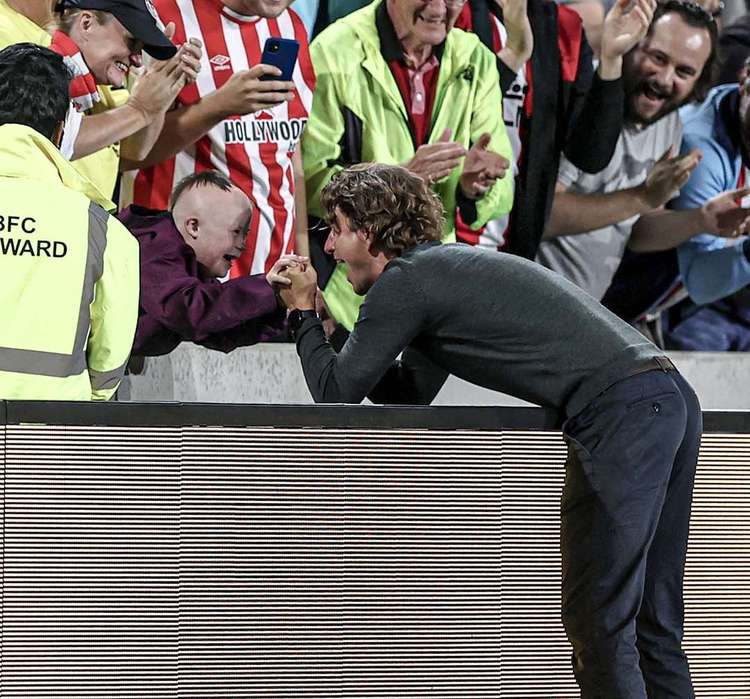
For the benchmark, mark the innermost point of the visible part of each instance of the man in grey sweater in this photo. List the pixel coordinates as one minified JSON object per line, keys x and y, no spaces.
{"x":632,"y":423}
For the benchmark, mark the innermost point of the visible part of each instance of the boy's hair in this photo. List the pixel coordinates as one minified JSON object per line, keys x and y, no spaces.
{"x":200,"y":179}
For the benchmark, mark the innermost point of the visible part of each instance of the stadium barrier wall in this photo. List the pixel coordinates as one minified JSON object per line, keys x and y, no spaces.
{"x":271,"y":373}
{"x":206,"y":551}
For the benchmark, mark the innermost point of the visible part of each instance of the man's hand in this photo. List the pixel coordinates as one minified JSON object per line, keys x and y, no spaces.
{"x":520,"y":42}
{"x":482,"y":167}
{"x":190,"y":59}
{"x":434,"y":161}
{"x":275,"y":276}
{"x":245,"y":93}
{"x":622,"y":30}
{"x":667,"y":177}
{"x":300,"y":294}
{"x":724,"y":215}
{"x":158,"y":83}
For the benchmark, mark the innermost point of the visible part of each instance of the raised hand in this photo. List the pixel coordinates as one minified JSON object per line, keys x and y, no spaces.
{"x":625,"y":25}
{"x":482,"y":167}
{"x":433,"y":161}
{"x":190,"y":59}
{"x":724,"y":214}
{"x":520,"y":42}
{"x":158,"y":83}
{"x":667,"y":177}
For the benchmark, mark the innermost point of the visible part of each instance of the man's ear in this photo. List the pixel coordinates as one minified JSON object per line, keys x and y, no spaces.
{"x":366,"y":238}
{"x":85,"y":19}
{"x":192,"y":226}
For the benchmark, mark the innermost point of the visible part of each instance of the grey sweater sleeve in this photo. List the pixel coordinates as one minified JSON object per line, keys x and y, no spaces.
{"x":391,"y":317}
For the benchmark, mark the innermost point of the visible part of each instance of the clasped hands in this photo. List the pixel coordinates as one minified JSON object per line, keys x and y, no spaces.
{"x":295,"y":282}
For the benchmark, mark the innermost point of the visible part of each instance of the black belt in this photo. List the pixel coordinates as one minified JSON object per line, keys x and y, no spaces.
{"x":651,"y":364}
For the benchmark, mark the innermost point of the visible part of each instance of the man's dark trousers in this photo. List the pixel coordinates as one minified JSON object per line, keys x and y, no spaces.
{"x":632,"y":455}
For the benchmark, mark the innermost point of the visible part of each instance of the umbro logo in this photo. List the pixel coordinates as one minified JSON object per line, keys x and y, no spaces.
{"x":220,"y":62}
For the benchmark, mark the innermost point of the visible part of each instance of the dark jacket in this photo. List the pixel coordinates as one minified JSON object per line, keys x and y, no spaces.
{"x":572,"y":111}
{"x":177,"y":304}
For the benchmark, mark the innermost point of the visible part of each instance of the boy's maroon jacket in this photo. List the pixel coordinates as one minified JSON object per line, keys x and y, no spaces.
{"x":178,"y":304}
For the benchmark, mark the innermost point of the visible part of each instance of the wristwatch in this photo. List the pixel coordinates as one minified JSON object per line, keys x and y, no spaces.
{"x":295,"y":320}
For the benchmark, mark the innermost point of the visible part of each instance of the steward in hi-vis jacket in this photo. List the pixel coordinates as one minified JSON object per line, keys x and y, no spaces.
{"x":359,"y":115}
{"x":69,"y":299}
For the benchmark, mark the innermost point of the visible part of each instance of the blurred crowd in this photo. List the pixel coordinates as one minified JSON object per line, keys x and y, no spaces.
{"x":609,"y":142}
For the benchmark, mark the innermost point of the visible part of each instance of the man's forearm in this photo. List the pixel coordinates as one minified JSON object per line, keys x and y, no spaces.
{"x":318,"y":363}
{"x":182,"y":127}
{"x":140,"y":143}
{"x":101,"y":130}
{"x":595,"y":125}
{"x":302,"y":241}
{"x":610,"y":68}
{"x":574,"y":213}
{"x":665,"y":229}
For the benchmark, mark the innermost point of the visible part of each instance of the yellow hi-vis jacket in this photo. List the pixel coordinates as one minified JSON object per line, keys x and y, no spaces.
{"x":69,"y":271}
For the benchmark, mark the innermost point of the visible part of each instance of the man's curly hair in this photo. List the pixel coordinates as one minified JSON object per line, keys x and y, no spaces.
{"x":393,"y":206}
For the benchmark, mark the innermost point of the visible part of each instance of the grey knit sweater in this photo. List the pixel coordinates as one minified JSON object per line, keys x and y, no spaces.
{"x":496,"y":320}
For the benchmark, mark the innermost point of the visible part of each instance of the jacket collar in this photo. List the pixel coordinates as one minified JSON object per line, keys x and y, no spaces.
{"x":455,"y":56}
{"x":390,"y":46}
{"x":727,"y":129}
{"x":26,"y":154}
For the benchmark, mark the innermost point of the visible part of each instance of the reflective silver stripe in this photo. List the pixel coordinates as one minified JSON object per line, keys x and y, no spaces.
{"x":62,"y":365}
{"x":102,"y":380}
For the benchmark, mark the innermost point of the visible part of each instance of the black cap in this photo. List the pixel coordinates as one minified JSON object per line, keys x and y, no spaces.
{"x":136,"y":17}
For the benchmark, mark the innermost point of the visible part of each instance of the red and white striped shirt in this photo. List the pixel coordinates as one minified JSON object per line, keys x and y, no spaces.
{"x":255,"y":150}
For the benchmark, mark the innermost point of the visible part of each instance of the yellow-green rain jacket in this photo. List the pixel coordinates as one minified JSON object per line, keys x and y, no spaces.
{"x":69,"y":270}
{"x":358,"y":115}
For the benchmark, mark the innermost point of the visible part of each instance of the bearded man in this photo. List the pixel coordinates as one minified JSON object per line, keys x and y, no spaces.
{"x":595,"y":217}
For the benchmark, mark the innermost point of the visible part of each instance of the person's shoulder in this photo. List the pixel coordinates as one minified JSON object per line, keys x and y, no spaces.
{"x":136,"y":215}
{"x":344,"y":34}
{"x":341,"y":48}
{"x":16,"y":27}
{"x":297,"y":29}
{"x":465,"y":45}
{"x":434,"y":254}
{"x":154,"y":230}
{"x":117,"y":236}
{"x":701,"y":116}
{"x":704,"y":128}
{"x":414,"y":257}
